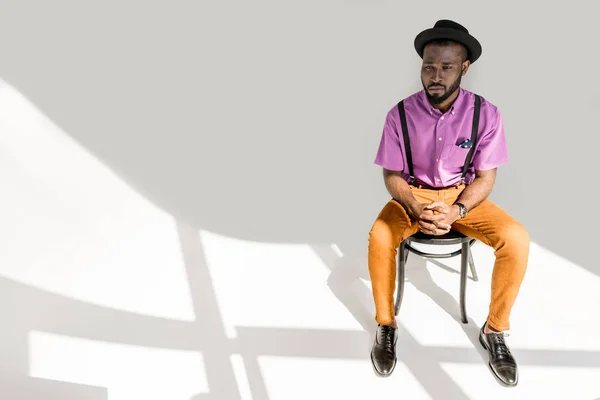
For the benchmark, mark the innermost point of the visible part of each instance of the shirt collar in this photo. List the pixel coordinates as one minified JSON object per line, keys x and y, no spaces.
{"x":456,"y":107}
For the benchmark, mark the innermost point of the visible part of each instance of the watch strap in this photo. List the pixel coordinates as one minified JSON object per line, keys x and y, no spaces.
{"x":463,"y":209}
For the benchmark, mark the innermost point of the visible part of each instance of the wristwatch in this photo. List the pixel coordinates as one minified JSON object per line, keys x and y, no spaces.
{"x":462,"y":209}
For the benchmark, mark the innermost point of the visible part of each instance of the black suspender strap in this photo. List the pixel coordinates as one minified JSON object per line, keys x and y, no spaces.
{"x":474,"y":130}
{"x":406,"y":141}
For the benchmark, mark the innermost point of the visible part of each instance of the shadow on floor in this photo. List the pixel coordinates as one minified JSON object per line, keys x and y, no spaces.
{"x":424,"y":362}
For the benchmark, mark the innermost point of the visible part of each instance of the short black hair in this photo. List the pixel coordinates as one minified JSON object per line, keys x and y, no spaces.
{"x":445,"y":42}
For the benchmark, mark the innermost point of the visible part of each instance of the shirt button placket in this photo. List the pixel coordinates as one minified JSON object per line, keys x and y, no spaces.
{"x":439,"y":153}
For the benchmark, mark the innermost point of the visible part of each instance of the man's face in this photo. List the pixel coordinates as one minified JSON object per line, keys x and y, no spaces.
{"x":442,"y":70}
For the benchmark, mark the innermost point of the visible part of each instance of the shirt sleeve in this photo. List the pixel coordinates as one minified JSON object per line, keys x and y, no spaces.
{"x":492,"y":151}
{"x":389,"y":154}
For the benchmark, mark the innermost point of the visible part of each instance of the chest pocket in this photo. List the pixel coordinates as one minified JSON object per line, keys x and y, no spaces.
{"x":458,"y":157}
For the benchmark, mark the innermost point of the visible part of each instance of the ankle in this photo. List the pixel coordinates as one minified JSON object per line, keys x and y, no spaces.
{"x":488,"y":329}
{"x":393,"y":324}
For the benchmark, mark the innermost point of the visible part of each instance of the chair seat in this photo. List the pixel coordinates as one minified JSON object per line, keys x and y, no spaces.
{"x":452,"y":237}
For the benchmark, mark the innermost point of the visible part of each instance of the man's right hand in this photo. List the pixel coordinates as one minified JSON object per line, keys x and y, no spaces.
{"x":428,"y":220}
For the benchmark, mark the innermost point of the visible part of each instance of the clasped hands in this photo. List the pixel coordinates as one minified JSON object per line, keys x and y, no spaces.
{"x":435,"y":218}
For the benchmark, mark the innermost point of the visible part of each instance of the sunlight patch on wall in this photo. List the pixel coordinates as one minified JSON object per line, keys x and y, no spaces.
{"x":72,"y":227}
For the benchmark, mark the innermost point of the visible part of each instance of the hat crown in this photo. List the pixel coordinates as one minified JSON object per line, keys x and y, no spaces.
{"x":450,"y":30}
{"x":446,"y":23}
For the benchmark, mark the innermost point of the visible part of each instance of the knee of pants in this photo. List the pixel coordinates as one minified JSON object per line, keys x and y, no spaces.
{"x":381,"y":235}
{"x":514,"y":235}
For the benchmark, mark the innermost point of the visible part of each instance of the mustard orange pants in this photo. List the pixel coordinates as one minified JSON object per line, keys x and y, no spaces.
{"x":487,"y":223}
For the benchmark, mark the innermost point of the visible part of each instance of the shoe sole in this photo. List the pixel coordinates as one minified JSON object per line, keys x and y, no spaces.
{"x":485,"y":346}
{"x":379,"y":374}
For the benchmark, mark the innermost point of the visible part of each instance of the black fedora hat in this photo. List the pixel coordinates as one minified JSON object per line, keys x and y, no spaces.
{"x":447,"y":29}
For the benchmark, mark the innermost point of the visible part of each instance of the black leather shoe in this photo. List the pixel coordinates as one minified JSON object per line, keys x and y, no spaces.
{"x":383,"y":354}
{"x":502,"y":363}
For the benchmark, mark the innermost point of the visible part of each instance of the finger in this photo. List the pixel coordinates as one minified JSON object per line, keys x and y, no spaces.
{"x":438,"y":211}
{"x":432,"y":232}
{"x":434,"y":218}
{"x":440,"y":228}
{"x":443,"y":225}
{"x":443,"y":221}
{"x":427,"y":226}
{"x":434,"y":204}
{"x":426,"y":218}
{"x":440,"y":208}
{"x":426,"y":215}
{"x":440,"y":232}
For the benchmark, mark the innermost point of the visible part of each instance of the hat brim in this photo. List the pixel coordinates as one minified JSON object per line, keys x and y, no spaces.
{"x":473,"y":46}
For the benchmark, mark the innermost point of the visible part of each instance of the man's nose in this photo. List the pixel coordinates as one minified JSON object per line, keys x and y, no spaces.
{"x":435,"y":77}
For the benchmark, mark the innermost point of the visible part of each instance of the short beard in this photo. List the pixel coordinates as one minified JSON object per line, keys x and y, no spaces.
{"x":439,"y":99}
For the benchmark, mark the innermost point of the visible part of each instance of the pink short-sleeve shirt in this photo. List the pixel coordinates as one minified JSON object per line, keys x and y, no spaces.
{"x":434,"y":138}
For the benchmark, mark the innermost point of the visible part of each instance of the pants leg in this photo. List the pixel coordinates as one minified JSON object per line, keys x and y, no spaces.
{"x":391,"y":227}
{"x":493,"y":226}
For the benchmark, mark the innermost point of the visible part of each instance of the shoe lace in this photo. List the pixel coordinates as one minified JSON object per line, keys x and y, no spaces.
{"x":499,"y":345}
{"x":387,"y":336}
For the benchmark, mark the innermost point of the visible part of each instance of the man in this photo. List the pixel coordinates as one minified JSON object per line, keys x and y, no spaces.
{"x":439,"y":177}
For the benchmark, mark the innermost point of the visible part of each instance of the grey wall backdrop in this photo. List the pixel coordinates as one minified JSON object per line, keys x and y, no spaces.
{"x":260,"y":120}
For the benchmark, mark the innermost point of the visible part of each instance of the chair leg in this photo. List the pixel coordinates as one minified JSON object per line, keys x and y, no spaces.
{"x":402,"y":256}
{"x":464,"y":260}
{"x":472,"y":265}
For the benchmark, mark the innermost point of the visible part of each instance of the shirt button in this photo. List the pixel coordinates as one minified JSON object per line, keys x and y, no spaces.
{"x":437,"y":159}
{"x":437,"y":179}
{"x":440,"y":138}
{"x":442,"y":117}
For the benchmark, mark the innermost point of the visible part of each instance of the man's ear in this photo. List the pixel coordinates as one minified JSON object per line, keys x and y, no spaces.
{"x":465,"y":67}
